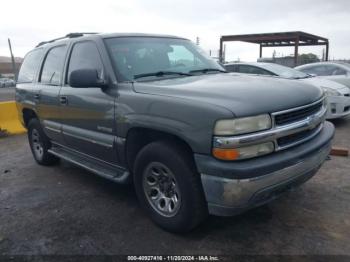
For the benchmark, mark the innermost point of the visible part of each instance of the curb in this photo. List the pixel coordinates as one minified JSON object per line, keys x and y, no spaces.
{"x":9,"y":121}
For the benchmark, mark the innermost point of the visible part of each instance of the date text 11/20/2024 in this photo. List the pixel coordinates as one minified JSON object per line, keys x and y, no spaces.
{"x":173,"y":258}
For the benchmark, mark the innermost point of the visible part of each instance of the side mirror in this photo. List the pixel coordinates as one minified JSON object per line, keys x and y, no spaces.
{"x":85,"y":78}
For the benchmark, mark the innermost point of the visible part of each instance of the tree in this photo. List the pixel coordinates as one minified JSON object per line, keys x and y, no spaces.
{"x":308,"y":58}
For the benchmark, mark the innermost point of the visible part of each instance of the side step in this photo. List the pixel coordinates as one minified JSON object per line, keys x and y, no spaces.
{"x":111,"y":172}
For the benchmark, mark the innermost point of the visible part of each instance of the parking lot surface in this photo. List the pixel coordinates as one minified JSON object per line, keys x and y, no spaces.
{"x":7,"y":94}
{"x":66,"y":210}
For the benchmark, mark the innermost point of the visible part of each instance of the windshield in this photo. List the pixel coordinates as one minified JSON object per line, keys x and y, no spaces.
{"x":345,"y":64}
{"x":284,"y":71}
{"x":154,"y":57}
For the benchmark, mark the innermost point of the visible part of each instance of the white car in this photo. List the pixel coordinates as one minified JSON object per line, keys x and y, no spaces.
{"x":338,"y":95}
{"x":335,"y":71}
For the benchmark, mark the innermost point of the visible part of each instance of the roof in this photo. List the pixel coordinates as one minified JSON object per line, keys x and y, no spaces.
{"x":278,"y":39}
{"x":341,"y":64}
{"x":109,"y":35}
{"x":103,"y":35}
{"x":247,"y":63}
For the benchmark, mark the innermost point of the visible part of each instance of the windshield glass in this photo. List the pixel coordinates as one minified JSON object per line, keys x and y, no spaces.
{"x":284,"y":71}
{"x":142,"y":56}
{"x":345,"y":64}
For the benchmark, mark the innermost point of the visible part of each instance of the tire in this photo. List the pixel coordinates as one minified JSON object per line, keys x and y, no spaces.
{"x":40,"y":144}
{"x":175,"y":199}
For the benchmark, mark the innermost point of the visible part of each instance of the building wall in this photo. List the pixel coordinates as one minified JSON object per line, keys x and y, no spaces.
{"x":6,"y":68}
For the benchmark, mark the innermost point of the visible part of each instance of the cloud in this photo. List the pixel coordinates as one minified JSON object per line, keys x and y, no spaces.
{"x":30,"y":22}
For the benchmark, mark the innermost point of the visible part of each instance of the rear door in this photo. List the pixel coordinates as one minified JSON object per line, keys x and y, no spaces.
{"x":88,"y":113}
{"x":26,"y":85}
{"x":46,"y":94}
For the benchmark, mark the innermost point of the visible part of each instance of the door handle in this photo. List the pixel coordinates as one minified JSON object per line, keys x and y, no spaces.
{"x":63,"y":100}
{"x":36,"y":96}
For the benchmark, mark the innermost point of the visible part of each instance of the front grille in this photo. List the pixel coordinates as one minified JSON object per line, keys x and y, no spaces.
{"x":299,"y":114}
{"x":291,"y":139}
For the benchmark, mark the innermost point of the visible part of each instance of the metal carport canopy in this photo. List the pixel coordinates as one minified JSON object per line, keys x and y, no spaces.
{"x":281,"y":39}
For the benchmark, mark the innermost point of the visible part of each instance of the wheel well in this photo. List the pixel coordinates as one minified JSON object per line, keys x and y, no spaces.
{"x":27,"y":115}
{"x":137,"y":138}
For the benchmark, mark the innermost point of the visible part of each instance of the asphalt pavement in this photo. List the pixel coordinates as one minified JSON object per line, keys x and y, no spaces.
{"x":68,"y":211}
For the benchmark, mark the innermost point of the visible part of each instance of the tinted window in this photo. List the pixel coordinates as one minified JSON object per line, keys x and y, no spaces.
{"x":53,"y":66}
{"x":334,"y":70}
{"x":283,"y":71}
{"x":324,"y":70}
{"x":85,"y":56}
{"x":231,"y":68}
{"x":317,"y":70}
{"x":252,"y":70}
{"x":30,"y":66}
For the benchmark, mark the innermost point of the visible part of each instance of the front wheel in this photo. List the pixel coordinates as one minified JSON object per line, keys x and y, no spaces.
{"x":168,"y":187}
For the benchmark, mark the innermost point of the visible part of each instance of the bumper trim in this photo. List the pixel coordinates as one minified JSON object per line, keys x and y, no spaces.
{"x":236,"y":195}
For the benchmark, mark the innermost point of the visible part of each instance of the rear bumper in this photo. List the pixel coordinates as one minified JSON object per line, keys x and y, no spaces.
{"x":232,"y":188}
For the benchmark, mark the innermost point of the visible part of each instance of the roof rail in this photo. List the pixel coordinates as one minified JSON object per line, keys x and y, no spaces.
{"x":70,"y":35}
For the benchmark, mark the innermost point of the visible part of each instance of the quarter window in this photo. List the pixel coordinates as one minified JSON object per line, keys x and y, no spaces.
{"x":85,"y":55}
{"x":53,"y":66}
{"x":30,"y":66}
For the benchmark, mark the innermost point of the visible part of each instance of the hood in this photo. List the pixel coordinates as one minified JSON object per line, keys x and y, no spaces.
{"x":322,"y":82}
{"x":242,"y":94}
{"x":340,"y":79}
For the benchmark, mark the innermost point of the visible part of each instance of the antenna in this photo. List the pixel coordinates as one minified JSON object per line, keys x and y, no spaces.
{"x":13,"y":60}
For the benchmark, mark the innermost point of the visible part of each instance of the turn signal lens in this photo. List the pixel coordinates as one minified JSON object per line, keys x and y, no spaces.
{"x":225,"y":154}
{"x":243,"y":152}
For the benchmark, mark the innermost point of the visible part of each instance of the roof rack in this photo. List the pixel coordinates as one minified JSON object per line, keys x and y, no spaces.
{"x":70,"y":35}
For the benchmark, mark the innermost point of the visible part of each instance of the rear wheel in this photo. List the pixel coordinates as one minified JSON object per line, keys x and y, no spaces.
{"x":168,"y":187}
{"x":40,"y":144}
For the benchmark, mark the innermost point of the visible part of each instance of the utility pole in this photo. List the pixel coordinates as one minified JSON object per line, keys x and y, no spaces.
{"x":13,"y":61}
{"x":197,"y":41}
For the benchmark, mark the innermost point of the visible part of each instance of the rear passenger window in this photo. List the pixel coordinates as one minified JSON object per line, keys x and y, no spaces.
{"x":252,"y":70}
{"x":53,"y":66}
{"x":231,"y":68}
{"x":85,"y":56}
{"x":30,"y":66}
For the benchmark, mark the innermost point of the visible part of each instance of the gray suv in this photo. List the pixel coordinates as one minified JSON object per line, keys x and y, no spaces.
{"x":155,"y":111}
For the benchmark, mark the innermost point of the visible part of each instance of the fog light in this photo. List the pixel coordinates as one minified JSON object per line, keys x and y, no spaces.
{"x":333,"y":108}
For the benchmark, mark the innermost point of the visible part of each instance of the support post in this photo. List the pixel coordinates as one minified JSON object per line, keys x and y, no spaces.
{"x":327,"y":50}
{"x":296,"y":51}
{"x":260,"y":53}
{"x":221,"y":60}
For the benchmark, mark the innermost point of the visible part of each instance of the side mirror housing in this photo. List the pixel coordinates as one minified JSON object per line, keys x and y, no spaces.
{"x":85,"y":78}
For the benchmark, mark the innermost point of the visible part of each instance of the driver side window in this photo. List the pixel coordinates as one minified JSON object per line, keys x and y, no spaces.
{"x":85,"y":55}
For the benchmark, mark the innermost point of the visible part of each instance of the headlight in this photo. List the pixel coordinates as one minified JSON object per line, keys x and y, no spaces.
{"x":331,"y":92}
{"x":242,"y":125}
{"x":243,"y":152}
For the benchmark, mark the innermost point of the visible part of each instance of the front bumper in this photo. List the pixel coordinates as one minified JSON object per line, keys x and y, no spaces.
{"x":338,"y":106}
{"x":233,"y":187}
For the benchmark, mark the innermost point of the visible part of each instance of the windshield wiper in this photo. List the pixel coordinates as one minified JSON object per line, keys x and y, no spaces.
{"x":161,"y":73}
{"x":206,"y":70}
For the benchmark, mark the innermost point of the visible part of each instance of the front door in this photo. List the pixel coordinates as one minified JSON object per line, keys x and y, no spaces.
{"x":88,"y":113}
